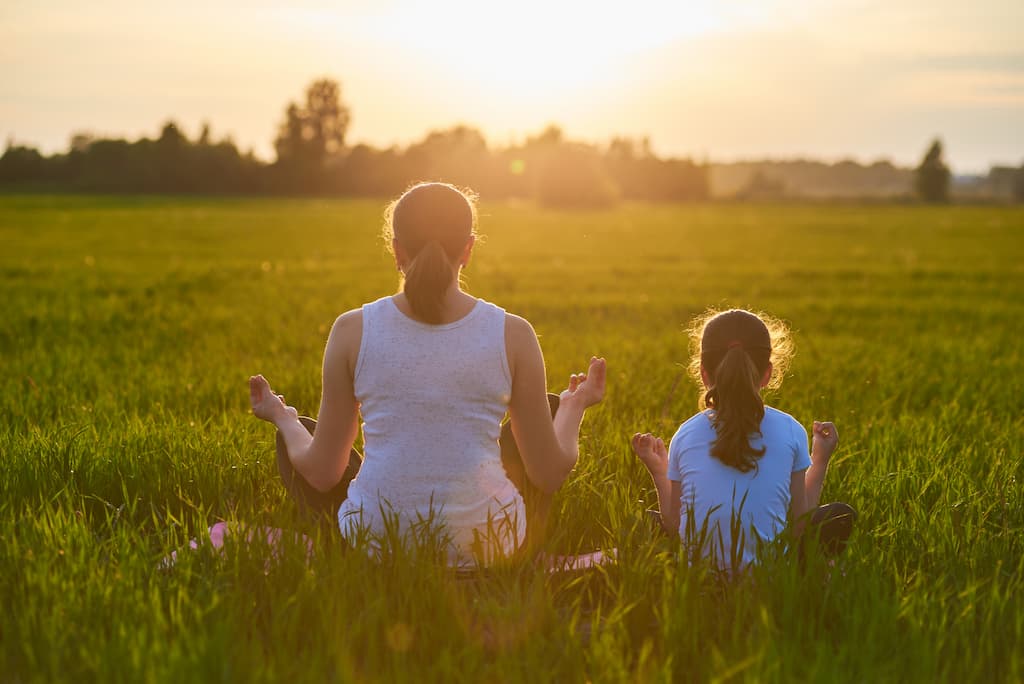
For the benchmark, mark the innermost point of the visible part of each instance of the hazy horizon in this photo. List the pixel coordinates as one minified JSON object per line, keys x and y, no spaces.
{"x":726,"y":81}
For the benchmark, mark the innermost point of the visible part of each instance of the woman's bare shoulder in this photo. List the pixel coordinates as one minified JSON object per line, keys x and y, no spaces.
{"x":349,"y":321}
{"x":348,"y":328}
{"x":521,"y":343}
{"x":518,"y":331}
{"x":344,"y":341}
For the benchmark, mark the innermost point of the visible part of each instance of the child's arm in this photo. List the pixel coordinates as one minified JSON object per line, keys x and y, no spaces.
{"x":823,"y":444}
{"x":653,"y":454}
{"x":805,"y":485}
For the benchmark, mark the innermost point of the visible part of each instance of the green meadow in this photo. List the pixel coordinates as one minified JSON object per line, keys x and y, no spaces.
{"x":130,"y":325}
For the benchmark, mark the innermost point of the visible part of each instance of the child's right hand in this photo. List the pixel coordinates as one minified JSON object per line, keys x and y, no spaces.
{"x":824,"y":442}
{"x":652,"y":453}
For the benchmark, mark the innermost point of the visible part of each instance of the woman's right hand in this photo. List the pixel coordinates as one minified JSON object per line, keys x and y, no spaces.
{"x":265,"y":404}
{"x":652,"y":453}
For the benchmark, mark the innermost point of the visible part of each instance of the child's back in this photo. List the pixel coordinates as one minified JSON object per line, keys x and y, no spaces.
{"x":755,"y":502}
{"x":734,"y":472}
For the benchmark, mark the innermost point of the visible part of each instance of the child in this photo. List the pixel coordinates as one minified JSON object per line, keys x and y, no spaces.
{"x":733,"y":471}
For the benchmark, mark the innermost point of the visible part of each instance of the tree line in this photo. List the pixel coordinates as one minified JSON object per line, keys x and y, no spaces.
{"x":313,"y":158}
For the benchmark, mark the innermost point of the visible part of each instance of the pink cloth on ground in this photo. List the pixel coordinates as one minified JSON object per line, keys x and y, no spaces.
{"x":218,"y":533}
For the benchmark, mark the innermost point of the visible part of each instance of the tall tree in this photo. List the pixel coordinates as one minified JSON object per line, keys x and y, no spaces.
{"x":932,"y":176}
{"x":312,"y":133}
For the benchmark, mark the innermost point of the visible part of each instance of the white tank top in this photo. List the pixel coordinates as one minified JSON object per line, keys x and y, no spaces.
{"x":432,"y":398}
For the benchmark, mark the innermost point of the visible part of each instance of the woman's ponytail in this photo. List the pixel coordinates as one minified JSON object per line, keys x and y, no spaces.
{"x":427,"y":279}
{"x":735,"y":396}
{"x":433,"y":223}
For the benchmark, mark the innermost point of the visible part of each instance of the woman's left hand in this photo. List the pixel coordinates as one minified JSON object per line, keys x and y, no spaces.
{"x":265,"y":404}
{"x":587,"y":388}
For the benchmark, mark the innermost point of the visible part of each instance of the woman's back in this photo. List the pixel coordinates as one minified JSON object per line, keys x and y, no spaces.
{"x":432,"y":398}
{"x":433,"y":371}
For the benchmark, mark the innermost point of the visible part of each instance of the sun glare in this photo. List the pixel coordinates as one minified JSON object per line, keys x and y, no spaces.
{"x":534,"y":48}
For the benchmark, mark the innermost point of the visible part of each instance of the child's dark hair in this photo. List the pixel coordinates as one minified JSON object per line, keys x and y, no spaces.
{"x":735,"y":349}
{"x":432,"y":222}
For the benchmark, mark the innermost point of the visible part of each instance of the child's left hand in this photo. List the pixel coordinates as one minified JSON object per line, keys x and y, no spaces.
{"x":824,"y":441}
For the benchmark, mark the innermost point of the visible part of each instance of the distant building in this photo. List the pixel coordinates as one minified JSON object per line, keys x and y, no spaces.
{"x":807,"y":179}
{"x":996,"y":186}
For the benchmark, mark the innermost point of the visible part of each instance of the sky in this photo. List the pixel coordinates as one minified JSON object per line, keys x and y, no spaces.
{"x":725,"y":80}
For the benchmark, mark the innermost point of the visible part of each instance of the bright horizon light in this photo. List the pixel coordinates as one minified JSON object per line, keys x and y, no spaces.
{"x":718,"y":79}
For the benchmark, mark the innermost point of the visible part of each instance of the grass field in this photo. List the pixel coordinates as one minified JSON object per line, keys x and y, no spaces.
{"x":130,"y":325}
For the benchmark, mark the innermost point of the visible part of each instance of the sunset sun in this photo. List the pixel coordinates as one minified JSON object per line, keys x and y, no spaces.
{"x":541,"y":47}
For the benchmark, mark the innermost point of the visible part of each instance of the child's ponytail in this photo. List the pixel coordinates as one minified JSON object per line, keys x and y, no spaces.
{"x":736,"y":398}
{"x":427,"y":278}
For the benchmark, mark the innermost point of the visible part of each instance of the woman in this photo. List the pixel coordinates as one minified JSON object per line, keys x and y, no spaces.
{"x":433,"y":371}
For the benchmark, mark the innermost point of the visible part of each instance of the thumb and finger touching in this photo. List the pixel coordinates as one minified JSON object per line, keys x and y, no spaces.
{"x":258,"y":388}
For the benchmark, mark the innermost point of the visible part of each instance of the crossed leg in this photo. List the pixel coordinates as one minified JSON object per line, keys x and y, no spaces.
{"x":324,"y":505}
{"x":830,"y":527}
{"x":311,"y":501}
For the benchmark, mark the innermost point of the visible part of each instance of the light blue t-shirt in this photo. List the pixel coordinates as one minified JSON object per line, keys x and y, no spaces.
{"x":714,"y":492}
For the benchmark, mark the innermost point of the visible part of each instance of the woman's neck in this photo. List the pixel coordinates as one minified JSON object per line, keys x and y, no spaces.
{"x":457,"y":304}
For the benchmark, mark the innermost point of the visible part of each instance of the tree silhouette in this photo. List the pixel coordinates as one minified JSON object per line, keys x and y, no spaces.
{"x":932,"y":176}
{"x":563,"y":173}
{"x":458,"y":155}
{"x":21,"y":164}
{"x":312,"y":159}
{"x":313,"y":133}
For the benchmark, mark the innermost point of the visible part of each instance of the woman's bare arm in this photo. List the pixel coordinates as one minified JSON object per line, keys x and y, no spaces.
{"x":549,"y":448}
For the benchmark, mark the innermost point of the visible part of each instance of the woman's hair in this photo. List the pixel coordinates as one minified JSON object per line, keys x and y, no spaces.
{"x":735,"y":348}
{"x":432,"y":222}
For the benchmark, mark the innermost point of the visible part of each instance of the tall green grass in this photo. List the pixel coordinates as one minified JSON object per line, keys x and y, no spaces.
{"x":130,"y":325}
